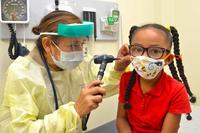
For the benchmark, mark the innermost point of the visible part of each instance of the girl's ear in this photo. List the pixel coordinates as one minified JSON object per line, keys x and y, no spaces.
{"x":169,"y":59}
{"x":131,"y":58}
{"x":46,"y":42}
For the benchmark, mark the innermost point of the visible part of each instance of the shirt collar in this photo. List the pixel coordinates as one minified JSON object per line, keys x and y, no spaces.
{"x":155,"y":91}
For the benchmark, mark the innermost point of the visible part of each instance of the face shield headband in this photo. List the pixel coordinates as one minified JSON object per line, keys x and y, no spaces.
{"x":73,"y":30}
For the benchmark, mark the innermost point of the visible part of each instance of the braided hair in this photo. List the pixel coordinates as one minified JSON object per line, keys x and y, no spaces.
{"x":179,"y":63}
{"x":172,"y":36}
{"x":133,"y":75}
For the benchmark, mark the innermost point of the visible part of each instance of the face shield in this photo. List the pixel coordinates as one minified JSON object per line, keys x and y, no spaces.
{"x":81,"y":35}
{"x":76,"y":37}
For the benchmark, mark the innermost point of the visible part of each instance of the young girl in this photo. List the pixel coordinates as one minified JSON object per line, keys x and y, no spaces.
{"x":151,"y":101}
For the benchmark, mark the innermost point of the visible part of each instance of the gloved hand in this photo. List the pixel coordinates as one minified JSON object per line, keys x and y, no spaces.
{"x":123,"y":55}
{"x":88,"y":99}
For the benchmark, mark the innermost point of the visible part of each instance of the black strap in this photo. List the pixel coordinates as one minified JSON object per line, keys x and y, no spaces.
{"x":40,"y":49}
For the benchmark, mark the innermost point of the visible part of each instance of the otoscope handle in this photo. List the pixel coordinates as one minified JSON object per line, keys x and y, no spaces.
{"x":103,"y":60}
{"x":84,"y":122}
{"x":101,"y":70}
{"x":99,"y":77}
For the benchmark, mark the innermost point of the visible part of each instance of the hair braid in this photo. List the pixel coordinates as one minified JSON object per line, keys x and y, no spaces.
{"x":174,"y":71}
{"x":172,"y":66}
{"x":179,"y":62}
{"x":133,"y":75}
{"x":130,"y":85}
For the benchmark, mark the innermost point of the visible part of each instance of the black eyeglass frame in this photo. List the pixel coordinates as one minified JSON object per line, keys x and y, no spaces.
{"x":146,"y":49}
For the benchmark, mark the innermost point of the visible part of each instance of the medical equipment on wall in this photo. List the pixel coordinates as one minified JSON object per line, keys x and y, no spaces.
{"x":103,"y":60}
{"x":15,"y":12}
{"x":21,"y":26}
{"x":90,"y":15}
{"x":110,"y":24}
{"x":37,"y":9}
{"x":56,"y":5}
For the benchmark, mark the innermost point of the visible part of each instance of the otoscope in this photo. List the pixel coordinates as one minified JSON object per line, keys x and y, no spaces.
{"x":103,"y":60}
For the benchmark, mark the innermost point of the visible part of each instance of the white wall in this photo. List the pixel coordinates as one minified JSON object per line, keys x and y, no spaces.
{"x":187,"y":21}
{"x":183,"y":14}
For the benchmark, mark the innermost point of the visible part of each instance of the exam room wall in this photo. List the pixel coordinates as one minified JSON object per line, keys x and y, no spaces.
{"x":137,"y":12}
{"x":185,"y":16}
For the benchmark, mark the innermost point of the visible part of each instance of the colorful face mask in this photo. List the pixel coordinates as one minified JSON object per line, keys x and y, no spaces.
{"x":68,"y":60}
{"x":146,"y":67}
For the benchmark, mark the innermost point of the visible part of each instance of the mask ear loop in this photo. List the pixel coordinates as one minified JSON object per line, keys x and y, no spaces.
{"x":56,"y":46}
{"x":179,"y":57}
{"x":168,"y":56}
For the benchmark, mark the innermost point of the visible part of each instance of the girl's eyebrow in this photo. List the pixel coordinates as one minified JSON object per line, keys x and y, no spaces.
{"x":136,"y":44}
{"x":153,"y":45}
